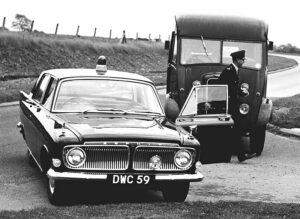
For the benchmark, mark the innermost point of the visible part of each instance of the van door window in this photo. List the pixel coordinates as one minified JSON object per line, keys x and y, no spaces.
{"x":175,"y":50}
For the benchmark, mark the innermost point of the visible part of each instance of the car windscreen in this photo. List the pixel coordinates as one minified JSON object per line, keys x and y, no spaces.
{"x":206,"y":100}
{"x":95,"y":94}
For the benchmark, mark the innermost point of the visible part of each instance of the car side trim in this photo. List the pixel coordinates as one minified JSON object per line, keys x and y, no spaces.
{"x":52,"y":174}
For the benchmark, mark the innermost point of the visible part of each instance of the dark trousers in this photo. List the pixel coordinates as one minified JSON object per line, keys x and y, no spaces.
{"x":236,"y":130}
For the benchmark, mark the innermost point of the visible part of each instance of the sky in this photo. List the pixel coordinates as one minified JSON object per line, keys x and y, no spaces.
{"x":154,"y":17}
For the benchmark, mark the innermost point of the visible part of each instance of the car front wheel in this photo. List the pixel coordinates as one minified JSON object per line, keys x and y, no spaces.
{"x":176,"y":191}
{"x":55,"y":191}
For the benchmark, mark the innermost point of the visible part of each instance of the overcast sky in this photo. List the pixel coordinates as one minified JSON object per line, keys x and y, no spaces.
{"x":155,"y":17}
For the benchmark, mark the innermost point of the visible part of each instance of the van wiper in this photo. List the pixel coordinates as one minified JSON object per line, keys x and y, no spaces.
{"x":203,"y":44}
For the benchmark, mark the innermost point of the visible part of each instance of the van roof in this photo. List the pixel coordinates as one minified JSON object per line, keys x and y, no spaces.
{"x":221,"y":27}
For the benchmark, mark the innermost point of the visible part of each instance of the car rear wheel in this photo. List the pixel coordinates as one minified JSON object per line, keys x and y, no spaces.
{"x":175,"y":192}
{"x":257,"y":139}
{"x":55,"y":189}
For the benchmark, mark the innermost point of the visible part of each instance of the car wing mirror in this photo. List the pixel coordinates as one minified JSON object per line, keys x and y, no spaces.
{"x":171,"y":108}
{"x":270,"y":45}
{"x":167,"y":44}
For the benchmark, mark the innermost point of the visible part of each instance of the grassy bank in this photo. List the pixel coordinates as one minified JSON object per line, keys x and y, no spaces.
{"x":164,"y":210}
{"x":287,"y":112}
{"x":23,"y":56}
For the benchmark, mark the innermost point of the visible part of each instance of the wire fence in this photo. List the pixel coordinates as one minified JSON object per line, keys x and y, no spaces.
{"x":109,"y":35}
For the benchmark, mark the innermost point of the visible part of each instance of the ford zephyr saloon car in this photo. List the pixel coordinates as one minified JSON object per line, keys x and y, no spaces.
{"x":108,"y":127}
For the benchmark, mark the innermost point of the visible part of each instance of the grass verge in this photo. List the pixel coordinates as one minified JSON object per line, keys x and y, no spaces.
{"x":286,"y":112}
{"x":164,"y":210}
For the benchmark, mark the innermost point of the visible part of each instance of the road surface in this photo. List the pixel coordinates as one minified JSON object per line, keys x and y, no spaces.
{"x":285,"y":83}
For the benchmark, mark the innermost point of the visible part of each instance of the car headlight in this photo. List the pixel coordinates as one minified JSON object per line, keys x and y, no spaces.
{"x":244,"y":108}
{"x":183,"y":159}
{"x":76,"y":157}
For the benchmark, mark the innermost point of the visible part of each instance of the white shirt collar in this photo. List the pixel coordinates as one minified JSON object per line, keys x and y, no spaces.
{"x":236,"y":68}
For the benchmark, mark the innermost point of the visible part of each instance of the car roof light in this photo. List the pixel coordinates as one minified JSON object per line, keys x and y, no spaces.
{"x":101,"y":65}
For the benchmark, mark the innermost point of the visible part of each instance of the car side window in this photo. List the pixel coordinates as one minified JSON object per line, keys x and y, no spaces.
{"x":47,"y":100}
{"x":41,"y":88}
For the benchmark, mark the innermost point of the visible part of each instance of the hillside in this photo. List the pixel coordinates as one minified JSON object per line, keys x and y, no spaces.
{"x":23,"y":56}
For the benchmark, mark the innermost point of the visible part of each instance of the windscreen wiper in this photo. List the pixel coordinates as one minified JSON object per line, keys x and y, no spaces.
{"x":203,"y":44}
{"x":105,"y":110}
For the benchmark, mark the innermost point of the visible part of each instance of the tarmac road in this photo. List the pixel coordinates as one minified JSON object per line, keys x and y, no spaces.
{"x":272,"y":177}
{"x":285,"y":83}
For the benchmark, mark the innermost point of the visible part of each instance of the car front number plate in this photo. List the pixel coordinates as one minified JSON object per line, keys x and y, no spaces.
{"x":130,"y":179}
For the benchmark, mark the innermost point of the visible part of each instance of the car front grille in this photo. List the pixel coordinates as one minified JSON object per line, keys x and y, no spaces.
{"x":107,"y":157}
{"x":116,"y":156}
{"x":143,"y":155}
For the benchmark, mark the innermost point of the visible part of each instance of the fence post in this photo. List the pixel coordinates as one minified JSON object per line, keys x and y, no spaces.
{"x":137,"y":36}
{"x":149,"y":36}
{"x":95,"y":31}
{"x":110,"y":34}
{"x":3,"y":24}
{"x":77,"y":30}
{"x":56,"y":29}
{"x":31,"y":27}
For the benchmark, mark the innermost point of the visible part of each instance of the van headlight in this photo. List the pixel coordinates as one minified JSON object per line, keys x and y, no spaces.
{"x":244,"y":109}
{"x":76,"y":157}
{"x":183,"y":159}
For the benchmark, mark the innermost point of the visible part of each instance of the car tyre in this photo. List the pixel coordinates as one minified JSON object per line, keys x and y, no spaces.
{"x":257,"y":139}
{"x":55,"y":189}
{"x":31,"y":161}
{"x":175,"y":192}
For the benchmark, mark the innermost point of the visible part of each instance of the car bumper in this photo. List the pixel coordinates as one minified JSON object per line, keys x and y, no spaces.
{"x":52,"y":174}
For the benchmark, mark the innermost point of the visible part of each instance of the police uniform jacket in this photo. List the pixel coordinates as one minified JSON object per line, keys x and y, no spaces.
{"x":230,"y":77}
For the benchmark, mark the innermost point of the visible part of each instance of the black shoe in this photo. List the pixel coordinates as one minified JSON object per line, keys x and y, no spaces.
{"x":246,"y":156}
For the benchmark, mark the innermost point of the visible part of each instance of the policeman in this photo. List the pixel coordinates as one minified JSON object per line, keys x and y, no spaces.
{"x":230,"y":77}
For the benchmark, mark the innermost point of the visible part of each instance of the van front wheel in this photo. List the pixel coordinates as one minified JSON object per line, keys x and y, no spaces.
{"x":257,"y":139}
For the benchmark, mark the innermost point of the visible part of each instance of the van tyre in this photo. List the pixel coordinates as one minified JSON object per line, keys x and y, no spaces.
{"x":175,"y":191}
{"x":257,"y":139}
